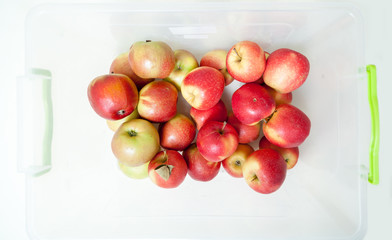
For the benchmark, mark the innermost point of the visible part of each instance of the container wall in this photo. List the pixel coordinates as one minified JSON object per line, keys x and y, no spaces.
{"x":85,"y":194}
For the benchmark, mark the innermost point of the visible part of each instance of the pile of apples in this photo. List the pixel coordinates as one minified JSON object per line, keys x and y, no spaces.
{"x":142,"y":90}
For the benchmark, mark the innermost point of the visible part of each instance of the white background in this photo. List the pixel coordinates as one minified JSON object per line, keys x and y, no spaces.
{"x":378,"y":39}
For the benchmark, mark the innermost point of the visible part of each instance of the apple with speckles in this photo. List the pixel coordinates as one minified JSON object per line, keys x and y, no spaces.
{"x":245,"y":61}
{"x":112,"y":96}
{"x":217,"y":140}
{"x":151,"y":59}
{"x":203,"y":87}
{"x":251,"y":103}
{"x":158,"y":101}
{"x":265,"y":170}
{"x":177,"y":133}
{"x":286,"y":70}
{"x":167,"y":169}
{"x":288,"y":126}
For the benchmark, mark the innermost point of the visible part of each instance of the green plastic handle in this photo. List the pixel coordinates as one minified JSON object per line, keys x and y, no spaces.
{"x":373,"y":176}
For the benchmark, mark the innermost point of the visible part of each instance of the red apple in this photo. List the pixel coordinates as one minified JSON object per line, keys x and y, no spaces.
{"x":151,"y":59}
{"x":217,"y":60}
{"x":217,"y":113}
{"x":251,"y":103}
{"x":121,"y":65}
{"x":115,"y":124}
{"x":217,"y":141}
{"x":167,"y":169}
{"x":246,"y":133}
{"x":112,"y":96}
{"x":288,"y":127}
{"x":290,"y":155}
{"x":233,"y":164}
{"x":202,"y":88}
{"x":135,"y":142}
{"x":265,"y":170}
{"x":246,"y":61}
{"x":286,"y":70}
{"x":185,"y":62}
{"x":279,"y":98}
{"x":177,"y":133}
{"x":158,"y":101}
{"x":199,"y":168}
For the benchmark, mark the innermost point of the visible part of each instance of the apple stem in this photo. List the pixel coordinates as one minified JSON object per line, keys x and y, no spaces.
{"x":224,"y":125}
{"x":235,"y":50}
{"x":165,"y":156}
{"x":254,"y":178}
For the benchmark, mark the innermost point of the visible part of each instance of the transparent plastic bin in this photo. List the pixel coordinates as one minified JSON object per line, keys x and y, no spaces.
{"x":75,"y":189}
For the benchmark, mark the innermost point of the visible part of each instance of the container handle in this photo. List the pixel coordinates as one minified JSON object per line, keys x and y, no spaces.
{"x":373,"y":176}
{"x":35,"y":122}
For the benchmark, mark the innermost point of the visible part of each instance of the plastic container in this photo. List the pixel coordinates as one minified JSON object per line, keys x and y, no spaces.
{"x":74,"y":187}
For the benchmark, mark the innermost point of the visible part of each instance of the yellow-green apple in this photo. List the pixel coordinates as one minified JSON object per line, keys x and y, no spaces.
{"x":261,"y":80}
{"x":151,"y":59}
{"x":203,"y":87}
{"x":135,"y":142}
{"x":185,"y":62}
{"x":217,"y":113}
{"x":112,"y":96}
{"x":265,"y":170}
{"x":288,"y":127}
{"x":290,"y":155}
{"x":139,"y":172}
{"x":217,"y":140}
{"x":251,"y":103}
{"x":167,"y":169}
{"x":245,"y":61}
{"x":279,"y":98}
{"x":115,"y":124}
{"x":286,"y":70}
{"x":158,"y":101}
{"x":246,"y":133}
{"x":121,"y":65}
{"x":217,"y":60}
{"x":233,"y":164}
{"x":199,"y":168}
{"x":177,"y":133}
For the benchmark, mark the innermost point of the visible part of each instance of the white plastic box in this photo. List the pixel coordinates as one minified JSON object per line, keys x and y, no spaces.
{"x":74,"y":187}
